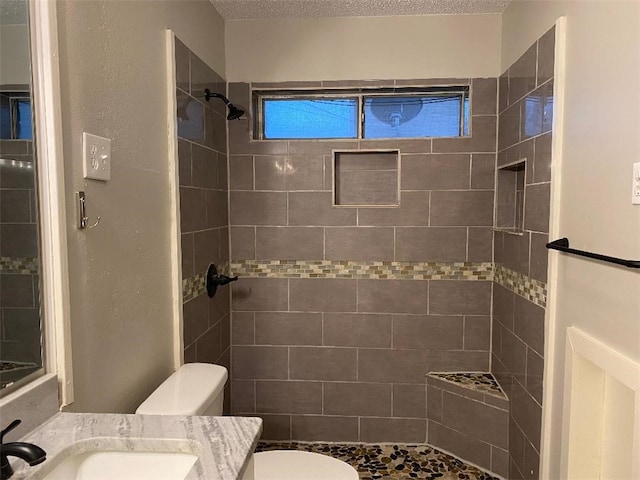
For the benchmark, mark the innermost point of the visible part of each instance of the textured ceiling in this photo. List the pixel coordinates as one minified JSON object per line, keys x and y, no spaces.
{"x":256,"y":9}
{"x":13,"y":12}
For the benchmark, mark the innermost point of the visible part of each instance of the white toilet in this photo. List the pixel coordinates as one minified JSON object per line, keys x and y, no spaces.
{"x":198,"y":389}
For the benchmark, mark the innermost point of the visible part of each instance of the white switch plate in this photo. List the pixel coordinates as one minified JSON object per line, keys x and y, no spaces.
{"x":96,"y":156}
{"x":635,"y":192}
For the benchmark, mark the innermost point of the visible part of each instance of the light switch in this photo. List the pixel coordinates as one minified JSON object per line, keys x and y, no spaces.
{"x":635,"y":189}
{"x":97,"y":157}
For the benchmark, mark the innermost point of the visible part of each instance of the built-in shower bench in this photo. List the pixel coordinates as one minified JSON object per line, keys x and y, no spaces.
{"x":468,"y":416}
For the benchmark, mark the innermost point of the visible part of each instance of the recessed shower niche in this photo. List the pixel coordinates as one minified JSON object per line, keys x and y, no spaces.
{"x":369,"y":178}
{"x":510,"y":197}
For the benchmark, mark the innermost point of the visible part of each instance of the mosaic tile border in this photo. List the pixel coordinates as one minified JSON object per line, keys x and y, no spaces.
{"x":533,"y":290}
{"x":363,"y":270}
{"x":194,"y":286}
{"x":477,"y":381}
{"x":390,"y":462}
{"x":20,"y":265}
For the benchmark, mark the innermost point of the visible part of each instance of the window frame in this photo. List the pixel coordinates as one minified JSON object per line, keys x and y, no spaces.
{"x":259,"y":96}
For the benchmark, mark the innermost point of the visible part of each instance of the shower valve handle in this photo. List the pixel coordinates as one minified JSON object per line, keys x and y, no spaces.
{"x":213,"y":280}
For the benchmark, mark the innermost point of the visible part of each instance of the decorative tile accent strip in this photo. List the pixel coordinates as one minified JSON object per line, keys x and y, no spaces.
{"x":389,"y":462}
{"x":20,"y":265}
{"x":363,"y":270}
{"x":533,"y":290}
{"x":194,"y":286}
{"x":476,"y":381}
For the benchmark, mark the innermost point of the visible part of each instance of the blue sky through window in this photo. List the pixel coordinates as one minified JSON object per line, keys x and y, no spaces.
{"x":411,"y":117}
{"x":311,"y":118}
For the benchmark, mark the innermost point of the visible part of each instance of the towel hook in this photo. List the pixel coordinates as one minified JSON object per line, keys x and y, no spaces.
{"x":82,"y":213}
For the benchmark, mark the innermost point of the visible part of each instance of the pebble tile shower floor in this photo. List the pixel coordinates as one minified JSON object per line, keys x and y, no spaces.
{"x":390,"y":462}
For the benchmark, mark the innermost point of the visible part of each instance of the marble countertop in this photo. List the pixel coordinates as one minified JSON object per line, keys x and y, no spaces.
{"x":223,"y":444}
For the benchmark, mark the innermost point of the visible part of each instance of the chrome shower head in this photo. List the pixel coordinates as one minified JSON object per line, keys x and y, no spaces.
{"x":234,"y":112}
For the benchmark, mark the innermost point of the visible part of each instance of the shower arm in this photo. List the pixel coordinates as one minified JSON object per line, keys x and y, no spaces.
{"x":209,"y":94}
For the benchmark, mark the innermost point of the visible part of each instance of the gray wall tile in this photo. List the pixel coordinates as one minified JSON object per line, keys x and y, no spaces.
{"x":243,"y":328}
{"x":288,"y":397}
{"x":458,"y":361}
{"x":282,"y":328}
{"x":275,"y":427}
{"x":431,"y":244}
{"x":483,"y":169}
{"x":258,"y":208}
{"x":546,"y":56}
{"x":241,"y":172}
{"x":522,"y":75}
{"x":429,"y":332}
{"x":460,"y":208}
{"x":392,"y":366}
{"x":412,"y":211}
{"x":482,"y":139}
{"x":450,"y":297}
{"x":484,"y":93}
{"x":477,"y":332}
{"x":392,"y":296}
{"x":529,"y":323}
{"x":357,"y":399}
{"x":469,"y":448}
{"x":322,"y":295}
{"x":243,"y":396}
{"x":260,"y":294}
{"x":359,"y":243}
{"x":526,"y":413}
{"x":243,"y":243}
{"x":475,"y":419}
{"x":270,"y":172}
{"x":480,"y":245}
{"x":435,"y":172}
{"x":392,"y":430}
{"x":536,"y":212}
{"x":305,"y":172}
{"x":315,"y":208}
{"x":323,"y":363}
{"x":409,"y":401}
{"x":312,"y":428}
{"x":195,"y":318}
{"x":260,"y":363}
{"x":289,"y":243}
{"x":357,"y":330}
{"x":365,"y":187}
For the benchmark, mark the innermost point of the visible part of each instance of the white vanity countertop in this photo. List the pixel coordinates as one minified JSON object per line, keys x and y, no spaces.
{"x":224,"y":444}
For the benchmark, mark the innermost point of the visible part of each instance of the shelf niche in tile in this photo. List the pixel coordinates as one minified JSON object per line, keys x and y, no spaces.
{"x":366,"y":178}
{"x":510,"y":197}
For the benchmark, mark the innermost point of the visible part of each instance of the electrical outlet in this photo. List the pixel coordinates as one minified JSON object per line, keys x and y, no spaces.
{"x":97,"y":157}
{"x":635,"y":189}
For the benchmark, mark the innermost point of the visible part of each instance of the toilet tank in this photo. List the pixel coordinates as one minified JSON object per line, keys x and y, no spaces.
{"x":193,"y":389}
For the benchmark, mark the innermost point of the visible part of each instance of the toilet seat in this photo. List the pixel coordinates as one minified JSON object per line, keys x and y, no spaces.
{"x":297,"y":465}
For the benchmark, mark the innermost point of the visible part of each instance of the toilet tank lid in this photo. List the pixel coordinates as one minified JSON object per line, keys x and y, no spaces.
{"x":188,"y":391}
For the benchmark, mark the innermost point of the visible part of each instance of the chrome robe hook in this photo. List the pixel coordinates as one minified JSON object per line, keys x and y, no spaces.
{"x":83,"y":220}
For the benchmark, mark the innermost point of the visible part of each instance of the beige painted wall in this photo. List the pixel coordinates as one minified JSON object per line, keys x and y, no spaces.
{"x":114,"y":84}
{"x":602,"y":121}
{"x":15,"y":68}
{"x":363,"y":48}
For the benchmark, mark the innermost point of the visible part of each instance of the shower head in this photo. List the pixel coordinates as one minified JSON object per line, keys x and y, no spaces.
{"x":234,"y":112}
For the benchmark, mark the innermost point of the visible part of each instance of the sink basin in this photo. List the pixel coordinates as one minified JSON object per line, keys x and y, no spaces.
{"x":124,"y":465}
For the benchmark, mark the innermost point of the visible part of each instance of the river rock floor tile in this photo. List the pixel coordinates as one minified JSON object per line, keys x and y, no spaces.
{"x":390,"y":462}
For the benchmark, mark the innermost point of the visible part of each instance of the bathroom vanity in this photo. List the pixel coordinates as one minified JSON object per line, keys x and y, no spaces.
{"x":214,"y":448}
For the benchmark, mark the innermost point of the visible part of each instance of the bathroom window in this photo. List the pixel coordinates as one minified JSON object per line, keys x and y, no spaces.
{"x":363,"y":113}
{"x":15,"y":116}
